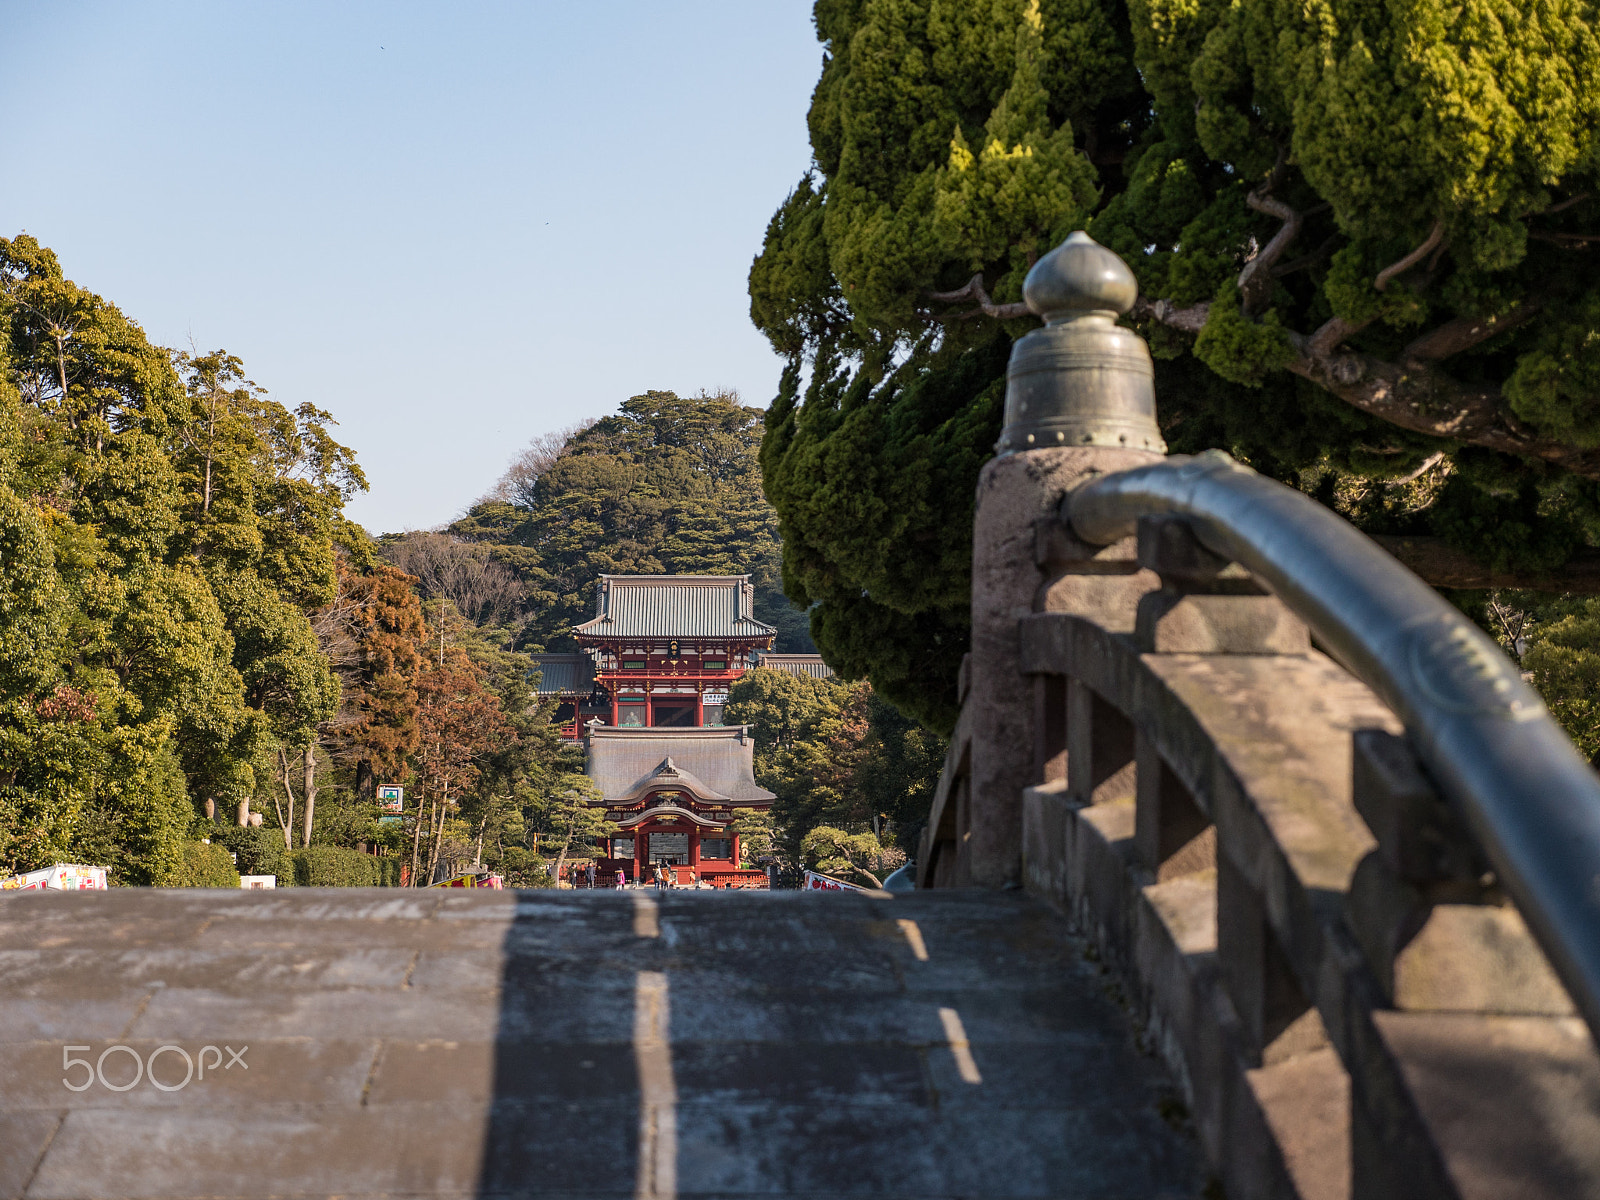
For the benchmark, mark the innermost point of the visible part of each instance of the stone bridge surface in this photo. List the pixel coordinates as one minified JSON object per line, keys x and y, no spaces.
{"x":445,"y":1043}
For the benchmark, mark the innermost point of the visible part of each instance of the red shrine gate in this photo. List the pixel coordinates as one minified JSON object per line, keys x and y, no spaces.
{"x":666,"y":647}
{"x":661,"y":652}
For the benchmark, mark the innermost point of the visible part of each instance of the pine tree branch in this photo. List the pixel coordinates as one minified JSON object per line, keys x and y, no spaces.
{"x":1565,"y":204}
{"x":1442,"y":565}
{"x":1188,"y":318}
{"x":1328,"y":337}
{"x":1465,"y":332}
{"x":1420,"y":397}
{"x":974,"y":290}
{"x":1432,"y":242}
{"x":1255,"y":281}
{"x":1566,"y":239}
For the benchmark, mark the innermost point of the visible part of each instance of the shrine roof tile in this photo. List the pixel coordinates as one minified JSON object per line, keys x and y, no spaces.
{"x":564,"y":674}
{"x":710,"y":763}
{"x":798,"y":664}
{"x":675,"y":606}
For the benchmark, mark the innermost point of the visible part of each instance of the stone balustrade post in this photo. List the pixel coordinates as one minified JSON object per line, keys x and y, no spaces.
{"x":1080,"y":400}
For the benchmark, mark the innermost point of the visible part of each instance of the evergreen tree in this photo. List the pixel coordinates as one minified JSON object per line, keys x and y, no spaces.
{"x":670,"y":485}
{"x":1363,"y":237}
{"x":840,"y":759}
{"x":166,"y":531}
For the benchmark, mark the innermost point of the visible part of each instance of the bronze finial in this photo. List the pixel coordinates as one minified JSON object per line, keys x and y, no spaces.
{"x":1082,"y":380}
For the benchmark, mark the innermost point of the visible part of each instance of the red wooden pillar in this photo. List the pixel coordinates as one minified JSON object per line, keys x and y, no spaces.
{"x":699,"y":705}
{"x":737,"y":861}
{"x":694,"y":847}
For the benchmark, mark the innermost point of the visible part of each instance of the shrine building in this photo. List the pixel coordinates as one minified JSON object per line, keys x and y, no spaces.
{"x":675,"y":793}
{"x":647,"y":694}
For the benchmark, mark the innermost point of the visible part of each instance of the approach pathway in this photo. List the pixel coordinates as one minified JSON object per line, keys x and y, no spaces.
{"x":443,"y":1043}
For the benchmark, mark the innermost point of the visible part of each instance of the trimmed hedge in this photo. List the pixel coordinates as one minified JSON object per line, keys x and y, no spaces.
{"x":388,"y":870}
{"x":203,"y":866}
{"x":334,"y":866}
{"x":260,"y":851}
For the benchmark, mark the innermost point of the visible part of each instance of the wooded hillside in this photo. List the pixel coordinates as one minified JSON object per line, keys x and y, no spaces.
{"x":670,"y":485}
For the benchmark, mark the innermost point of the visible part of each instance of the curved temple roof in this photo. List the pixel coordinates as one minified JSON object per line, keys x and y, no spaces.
{"x":797,"y":664}
{"x":675,"y":606}
{"x":715,"y":764}
{"x":564,"y":674}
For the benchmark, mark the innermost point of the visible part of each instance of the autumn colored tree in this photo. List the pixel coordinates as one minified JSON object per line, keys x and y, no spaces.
{"x":459,"y":724}
{"x":380,"y":634}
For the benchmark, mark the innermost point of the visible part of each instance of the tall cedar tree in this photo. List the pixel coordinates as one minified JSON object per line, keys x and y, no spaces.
{"x":1365,"y":238}
{"x":386,"y":626}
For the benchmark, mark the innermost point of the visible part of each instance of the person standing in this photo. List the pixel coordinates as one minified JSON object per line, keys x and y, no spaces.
{"x":622,"y":879}
{"x":589,"y":871}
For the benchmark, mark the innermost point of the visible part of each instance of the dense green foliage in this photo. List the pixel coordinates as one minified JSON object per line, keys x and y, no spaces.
{"x":164,"y":532}
{"x":1556,"y":641}
{"x":1373,"y":228}
{"x":670,"y":485}
{"x":838,"y":758}
{"x":204,"y":866}
{"x":336,"y":866}
{"x":258,"y":850}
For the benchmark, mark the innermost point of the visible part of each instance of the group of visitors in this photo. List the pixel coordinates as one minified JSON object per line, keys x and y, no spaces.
{"x":664,"y":876}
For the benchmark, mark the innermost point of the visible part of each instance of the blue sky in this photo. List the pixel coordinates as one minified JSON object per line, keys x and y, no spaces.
{"x":453,"y":225}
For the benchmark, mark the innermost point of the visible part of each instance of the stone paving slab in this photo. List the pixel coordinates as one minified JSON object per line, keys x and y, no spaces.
{"x":394,"y":1044}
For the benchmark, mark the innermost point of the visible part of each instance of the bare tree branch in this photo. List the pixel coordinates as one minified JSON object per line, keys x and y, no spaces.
{"x":519,"y":483}
{"x":483,"y":591}
{"x":1428,"y":464}
{"x":1433,"y":240}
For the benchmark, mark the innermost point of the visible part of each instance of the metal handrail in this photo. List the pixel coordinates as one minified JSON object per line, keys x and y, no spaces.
{"x":1484,"y":735}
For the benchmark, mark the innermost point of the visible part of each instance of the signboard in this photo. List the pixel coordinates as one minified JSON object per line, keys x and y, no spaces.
{"x":391,"y":799}
{"x":826,"y":883}
{"x":63,"y":877}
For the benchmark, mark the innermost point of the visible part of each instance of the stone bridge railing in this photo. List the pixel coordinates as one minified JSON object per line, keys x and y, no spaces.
{"x":1344,"y":864}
